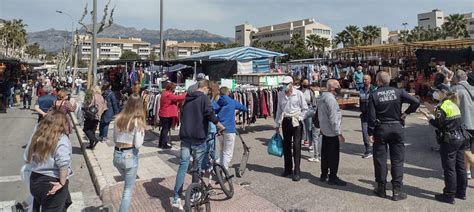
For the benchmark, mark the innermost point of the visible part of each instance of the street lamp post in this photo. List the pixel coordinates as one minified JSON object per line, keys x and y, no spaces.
{"x":162,"y":46}
{"x":72,"y":36}
{"x":94,"y":42}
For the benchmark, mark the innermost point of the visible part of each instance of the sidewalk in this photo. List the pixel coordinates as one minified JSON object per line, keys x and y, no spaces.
{"x":155,"y":180}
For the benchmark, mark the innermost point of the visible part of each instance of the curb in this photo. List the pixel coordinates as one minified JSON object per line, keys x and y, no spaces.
{"x":98,"y":178}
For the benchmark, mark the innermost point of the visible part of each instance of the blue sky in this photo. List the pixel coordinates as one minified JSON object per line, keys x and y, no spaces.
{"x":221,"y":16}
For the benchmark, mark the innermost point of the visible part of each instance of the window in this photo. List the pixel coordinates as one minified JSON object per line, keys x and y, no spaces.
{"x":440,"y":17}
{"x":238,"y":30}
{"x":424,"y":19}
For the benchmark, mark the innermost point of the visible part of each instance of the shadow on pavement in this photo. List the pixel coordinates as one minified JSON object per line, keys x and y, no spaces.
{"x":155,"y":189}
{"x":76,"y":150}
{"x":410,"y":190}
{"x":277,"y":171}
{"x":349,"y":187}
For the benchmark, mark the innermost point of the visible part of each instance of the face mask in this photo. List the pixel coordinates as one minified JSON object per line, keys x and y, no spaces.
{"x":305,"y":86}
{"x":436,"y":96}
{"x":286,"y":88}
{"x":338,"y":91}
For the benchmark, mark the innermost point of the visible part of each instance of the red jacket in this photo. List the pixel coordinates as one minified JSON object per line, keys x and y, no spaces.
{"x":169,"y":104}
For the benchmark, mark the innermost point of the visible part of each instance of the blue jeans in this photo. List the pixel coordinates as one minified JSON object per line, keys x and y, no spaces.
{"x":78,"y":89}
{"x":127,"y":164}
{"x":103,"y":129}
{"x":210,"y":151}
{"x":359,"y":86}
{"x":307,"y":132}
{"x":186,"y":147}
{"x":365,"y":137}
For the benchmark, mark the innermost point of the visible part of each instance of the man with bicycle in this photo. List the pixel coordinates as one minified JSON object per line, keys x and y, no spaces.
{"x":196,"y":114}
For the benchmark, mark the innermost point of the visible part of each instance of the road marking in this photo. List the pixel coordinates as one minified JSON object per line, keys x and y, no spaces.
{"x":6,"y":179}
{"x":77,"y":203}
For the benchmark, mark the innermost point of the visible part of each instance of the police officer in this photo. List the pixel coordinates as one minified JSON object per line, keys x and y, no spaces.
{"x":453,"y":141}
{"x":385,"y":123}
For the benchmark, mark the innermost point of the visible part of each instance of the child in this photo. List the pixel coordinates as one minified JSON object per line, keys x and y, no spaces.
{"x":225,"y":110}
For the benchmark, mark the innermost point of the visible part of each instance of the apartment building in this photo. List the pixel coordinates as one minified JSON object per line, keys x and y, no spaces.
{"x":432,"y":19}
{"x":112,"y":48}
{"x":280,"y":33}
{"x":470,"y":23}
{"x":183,"y":49}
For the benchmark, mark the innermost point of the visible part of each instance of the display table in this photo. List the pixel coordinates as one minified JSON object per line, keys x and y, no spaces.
{"x":348,"y":103}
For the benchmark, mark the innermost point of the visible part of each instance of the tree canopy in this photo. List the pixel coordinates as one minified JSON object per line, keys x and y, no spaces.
{"x":129,"y":55}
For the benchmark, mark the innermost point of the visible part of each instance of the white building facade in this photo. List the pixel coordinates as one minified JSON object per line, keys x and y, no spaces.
{"x":113,"y":48}
{"x":280,"y":33}
{"x":431,"y":20}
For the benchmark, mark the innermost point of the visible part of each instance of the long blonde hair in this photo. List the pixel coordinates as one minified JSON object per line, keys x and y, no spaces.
{"x":133,"y":110}
{"x":46,"y":137}
{"x":213,"y":91}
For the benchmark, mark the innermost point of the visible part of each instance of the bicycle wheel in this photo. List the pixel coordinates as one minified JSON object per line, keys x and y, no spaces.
{"x":195,"y":195}
{"x":224,"y":180}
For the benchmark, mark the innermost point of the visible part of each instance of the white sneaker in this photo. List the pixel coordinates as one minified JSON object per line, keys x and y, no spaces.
{"x":177,"y":203}
{"x":310,"y":149}
{"x":313,"y":160}
{"x":469,"y":175}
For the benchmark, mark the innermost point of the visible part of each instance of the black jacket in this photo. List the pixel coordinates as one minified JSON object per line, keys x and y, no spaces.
{"x":196,"y":114}
{"x":385,"y":106}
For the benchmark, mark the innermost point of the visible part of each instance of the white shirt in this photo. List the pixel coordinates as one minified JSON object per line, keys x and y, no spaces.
{"x":78,"y":82}
{"x":136,"y":137}
{"x":296,"y":103}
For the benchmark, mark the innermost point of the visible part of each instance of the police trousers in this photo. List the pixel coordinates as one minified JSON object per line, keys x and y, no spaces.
{"x":389,"y":137}
{"x":452,"y":161}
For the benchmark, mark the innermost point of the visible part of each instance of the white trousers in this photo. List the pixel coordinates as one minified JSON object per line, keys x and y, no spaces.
{"x":226,"y":141}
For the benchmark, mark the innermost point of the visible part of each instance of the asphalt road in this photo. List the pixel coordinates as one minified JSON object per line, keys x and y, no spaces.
{"x":423,"y":173}
{"x":16,"y":128}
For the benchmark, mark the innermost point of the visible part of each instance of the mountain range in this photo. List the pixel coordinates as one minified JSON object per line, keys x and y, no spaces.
{"x":52,"y":40}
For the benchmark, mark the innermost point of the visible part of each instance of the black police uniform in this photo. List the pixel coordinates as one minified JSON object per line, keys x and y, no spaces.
{"x":386,"y":125}
{"x":453,"y":141}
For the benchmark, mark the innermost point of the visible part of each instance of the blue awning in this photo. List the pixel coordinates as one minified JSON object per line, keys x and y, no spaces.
{"x":239,"y":53}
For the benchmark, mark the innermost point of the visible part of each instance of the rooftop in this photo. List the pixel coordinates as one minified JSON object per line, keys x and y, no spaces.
{"x":121,"y":40}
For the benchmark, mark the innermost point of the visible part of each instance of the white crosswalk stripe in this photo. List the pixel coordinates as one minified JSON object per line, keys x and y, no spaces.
{"x":77,"y":203}
{"x":8,"y":179}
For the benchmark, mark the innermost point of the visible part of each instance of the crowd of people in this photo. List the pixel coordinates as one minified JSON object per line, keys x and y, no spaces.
{"x":305,"y":115}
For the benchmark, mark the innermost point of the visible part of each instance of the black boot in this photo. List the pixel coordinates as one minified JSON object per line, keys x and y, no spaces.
{"x":444,"y":198}
{"x":398,"y":194}
{"x":380,"y":190}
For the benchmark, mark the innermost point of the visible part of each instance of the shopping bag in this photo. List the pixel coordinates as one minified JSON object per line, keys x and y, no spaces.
{"x":275,"y":145}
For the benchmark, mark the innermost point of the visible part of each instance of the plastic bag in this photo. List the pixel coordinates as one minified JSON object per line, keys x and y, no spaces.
{"x":275,"y":146}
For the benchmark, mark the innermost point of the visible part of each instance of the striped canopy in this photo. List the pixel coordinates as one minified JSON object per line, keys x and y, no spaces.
{"x":239,"y":53}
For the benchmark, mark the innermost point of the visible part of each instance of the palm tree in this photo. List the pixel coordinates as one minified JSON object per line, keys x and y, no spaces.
{"x":416,"y":34}
{"x":403,"y":36}
{"x":369,"y":34}
{"x":313,"y":41}
{"x":323,"y":44}
{"x":256,"y":43}
{"x":205,"y":48}
{"x":297,"y":40}
{"x":355,"y":35}
{"x":456,"y":26}
{"x":269,"y":45}
{"x":342,"y":37}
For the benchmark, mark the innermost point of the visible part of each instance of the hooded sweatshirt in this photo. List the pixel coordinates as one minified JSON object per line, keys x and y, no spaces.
{"x":195,"y":117}
{"x":225,"y":110}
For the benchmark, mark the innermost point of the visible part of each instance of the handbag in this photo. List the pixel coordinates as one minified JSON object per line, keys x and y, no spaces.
{"x":275,"y":145}
{"x":90,"y":112}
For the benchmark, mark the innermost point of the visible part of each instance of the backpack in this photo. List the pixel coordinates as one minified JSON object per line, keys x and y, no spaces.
{"x":90,"y":112}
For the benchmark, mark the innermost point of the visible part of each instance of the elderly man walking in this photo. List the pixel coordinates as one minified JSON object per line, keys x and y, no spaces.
{"x":466,"y":105}
{"x":291,"y":110}
{"x":386,"y":123}
{"x":330,"y":118}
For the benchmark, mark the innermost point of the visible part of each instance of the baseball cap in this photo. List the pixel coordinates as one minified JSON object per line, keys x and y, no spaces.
{"x":200,"y":76}
{"x":287,"y":80}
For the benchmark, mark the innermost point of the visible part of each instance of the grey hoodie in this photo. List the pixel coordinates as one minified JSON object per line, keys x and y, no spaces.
{"x":330,"y":116}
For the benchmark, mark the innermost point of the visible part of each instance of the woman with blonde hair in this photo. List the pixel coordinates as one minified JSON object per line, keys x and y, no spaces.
{"x":49,"y":154}
{"x":93,"y":102}
{"x":65,"y":105}
{"x":128,"y":136}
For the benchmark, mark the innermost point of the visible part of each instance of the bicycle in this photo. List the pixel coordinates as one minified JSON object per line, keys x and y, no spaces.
{"x":199,"y":193}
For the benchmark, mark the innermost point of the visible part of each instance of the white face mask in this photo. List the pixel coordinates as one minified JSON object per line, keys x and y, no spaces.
{"x":436,"y":96}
